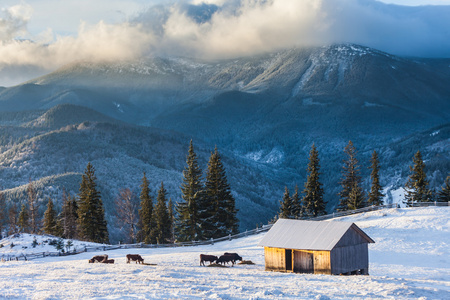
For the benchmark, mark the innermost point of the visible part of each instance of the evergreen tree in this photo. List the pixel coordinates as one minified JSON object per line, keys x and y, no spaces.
{"x":285,"y":205}
{"x":351,"y":178}
{"x":188,"y":226}
{"x":444,"y":194}
{"x":50,"y":226}
{"x":23,"y":221}
{"x":220,"y":217}
{"x":162,"y":229}
{"x":355,"y":198}
{"x":375,"y":195}
{"x":313,"y":199}
{"x":297,"y":209}
{"x":416,"y":187}
{"x":91,"y":214}
{"x":146,"y":222}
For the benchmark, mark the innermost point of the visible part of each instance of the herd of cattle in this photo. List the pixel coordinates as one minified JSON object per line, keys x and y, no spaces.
{"x":223,"y":259}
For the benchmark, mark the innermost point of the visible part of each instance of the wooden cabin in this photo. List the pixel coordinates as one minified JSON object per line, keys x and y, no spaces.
{"x":316,"y":247}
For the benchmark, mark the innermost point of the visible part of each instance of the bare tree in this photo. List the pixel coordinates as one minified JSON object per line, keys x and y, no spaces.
{"x":127,"y":212}
{"x":32,"y":205}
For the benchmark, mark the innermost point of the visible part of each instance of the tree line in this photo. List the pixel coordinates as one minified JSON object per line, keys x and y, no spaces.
{"x":352,"y":196}
{"x":207,"y":209}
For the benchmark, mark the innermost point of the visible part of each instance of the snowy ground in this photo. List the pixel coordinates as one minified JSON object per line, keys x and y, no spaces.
{"x":410,"y":260}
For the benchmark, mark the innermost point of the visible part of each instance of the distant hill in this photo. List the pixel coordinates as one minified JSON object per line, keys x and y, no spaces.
{"x":263,"y":113}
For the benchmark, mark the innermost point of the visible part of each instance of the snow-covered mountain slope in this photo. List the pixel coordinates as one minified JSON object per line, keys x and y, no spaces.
{"x":409,"y":260}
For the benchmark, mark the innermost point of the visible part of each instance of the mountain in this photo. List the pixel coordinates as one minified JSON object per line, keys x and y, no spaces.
{"x":263,"y":113}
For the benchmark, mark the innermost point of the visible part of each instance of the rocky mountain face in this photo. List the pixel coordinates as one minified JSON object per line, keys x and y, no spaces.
{"x":262,"y":112}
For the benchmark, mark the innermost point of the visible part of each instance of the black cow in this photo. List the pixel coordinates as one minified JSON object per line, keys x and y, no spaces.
{"x":225,"y":259}
{"x":98,"y":258}
{"x":205,"y":257}
{"x":135,"y":257}
{"x":235,"y":256}
{"x":108,"y":261}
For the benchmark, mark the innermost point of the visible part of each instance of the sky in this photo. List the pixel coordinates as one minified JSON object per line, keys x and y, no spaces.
{"x":39,"y":36}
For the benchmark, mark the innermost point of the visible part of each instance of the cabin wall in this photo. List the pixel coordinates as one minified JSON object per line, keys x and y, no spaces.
{"x":349,"y":259}
{"x":351,"y":237}
{"x":313,"y":262}
{"x":275,"y":259}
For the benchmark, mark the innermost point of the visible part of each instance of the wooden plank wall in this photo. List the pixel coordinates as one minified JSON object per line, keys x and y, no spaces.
{"x":275,"y":259}
{"x":349,"y":258}
{"x":317,"y":262}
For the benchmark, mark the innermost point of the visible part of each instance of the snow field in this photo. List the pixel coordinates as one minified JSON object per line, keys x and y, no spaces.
{"x":410,"y":260}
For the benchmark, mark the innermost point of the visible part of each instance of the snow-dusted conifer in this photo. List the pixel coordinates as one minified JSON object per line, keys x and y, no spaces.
{"x":162,"y":229}
{"x":416,"y":187}
{"x":285,"y":205}
{"x":313,"y":200}
{"x":444,"y":194}
{"x":50,"y":225}
{"x":376,"y":195}
{"x":23,"y":221}
{"x":146,"y":222}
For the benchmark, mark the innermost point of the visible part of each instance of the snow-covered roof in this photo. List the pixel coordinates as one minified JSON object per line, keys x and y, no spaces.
{"x":308,"y":235}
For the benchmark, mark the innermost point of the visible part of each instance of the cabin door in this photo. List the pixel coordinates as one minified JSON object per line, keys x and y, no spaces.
{"x":303,"y":262}
{"x":288,"y":256}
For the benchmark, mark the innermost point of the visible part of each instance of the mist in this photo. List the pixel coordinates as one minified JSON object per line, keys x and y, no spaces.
{"x":217,"y":29}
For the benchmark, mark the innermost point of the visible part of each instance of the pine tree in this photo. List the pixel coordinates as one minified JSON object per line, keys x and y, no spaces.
{"x":146,"y":222}
{"x":220,"y":211}
{"x":50,"y":219}
{"x":126,"y":205}
{"x":444,"y":194}
{"x":297,"y":209}
{"x":417,"y":185}
{"x":32,"y":204}
{"x":355,"y":198}
{"x":375,"y":195}
{"x":351,"y":178}
{"x":285,"y":205}
{"x":91,"y":214}
{"x":23,"y":221}
{"x":188,"y":226}
{"x":162,"y":229}
{"x":313,"y":199}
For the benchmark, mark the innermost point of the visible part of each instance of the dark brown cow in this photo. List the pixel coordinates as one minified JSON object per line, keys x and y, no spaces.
{"x":135,"y":257}
{"x":108,"y":261}
{"x":205,"y":257}
{"x":225,"y":259}
{"x":235,"y":256}
{"x":98,"y":258}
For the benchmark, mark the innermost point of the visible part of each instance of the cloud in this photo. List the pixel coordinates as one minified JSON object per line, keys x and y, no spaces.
{"x":225,"y":29}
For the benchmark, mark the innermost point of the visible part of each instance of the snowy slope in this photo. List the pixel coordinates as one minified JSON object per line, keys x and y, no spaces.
{"x":410,"y":260}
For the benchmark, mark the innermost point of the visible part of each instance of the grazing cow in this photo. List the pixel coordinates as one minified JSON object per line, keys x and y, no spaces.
{"x":98,"y":258}
{"x":135,"y":257}
{"x":108,"y":261}
{"x":235,"y":256}
{"x":225,"y":259}
{"x":205,"y":257}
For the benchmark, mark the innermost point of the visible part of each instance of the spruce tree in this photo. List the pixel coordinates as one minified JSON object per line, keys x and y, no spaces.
{"x":188,"y":223}
{"x":2,"y":213}
{"x":13,"y":219}
{"x":444,"y":194}
{"x":376,"y":195}
{"x":286,"y":205}
{"x":32,"y":205}
{"x":50,"y":219}
{"x":355,"y":198}
{"x":162,"y":229}
{"x":416,"y":187}
{"x":313,"y":199}
{"x":220,"y":211}
{"x":351,"y":178}
{"x":297,"y":209}
{"x":146,"y":222}
{"x":91,"y":214}
{"x":23,"y":221}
